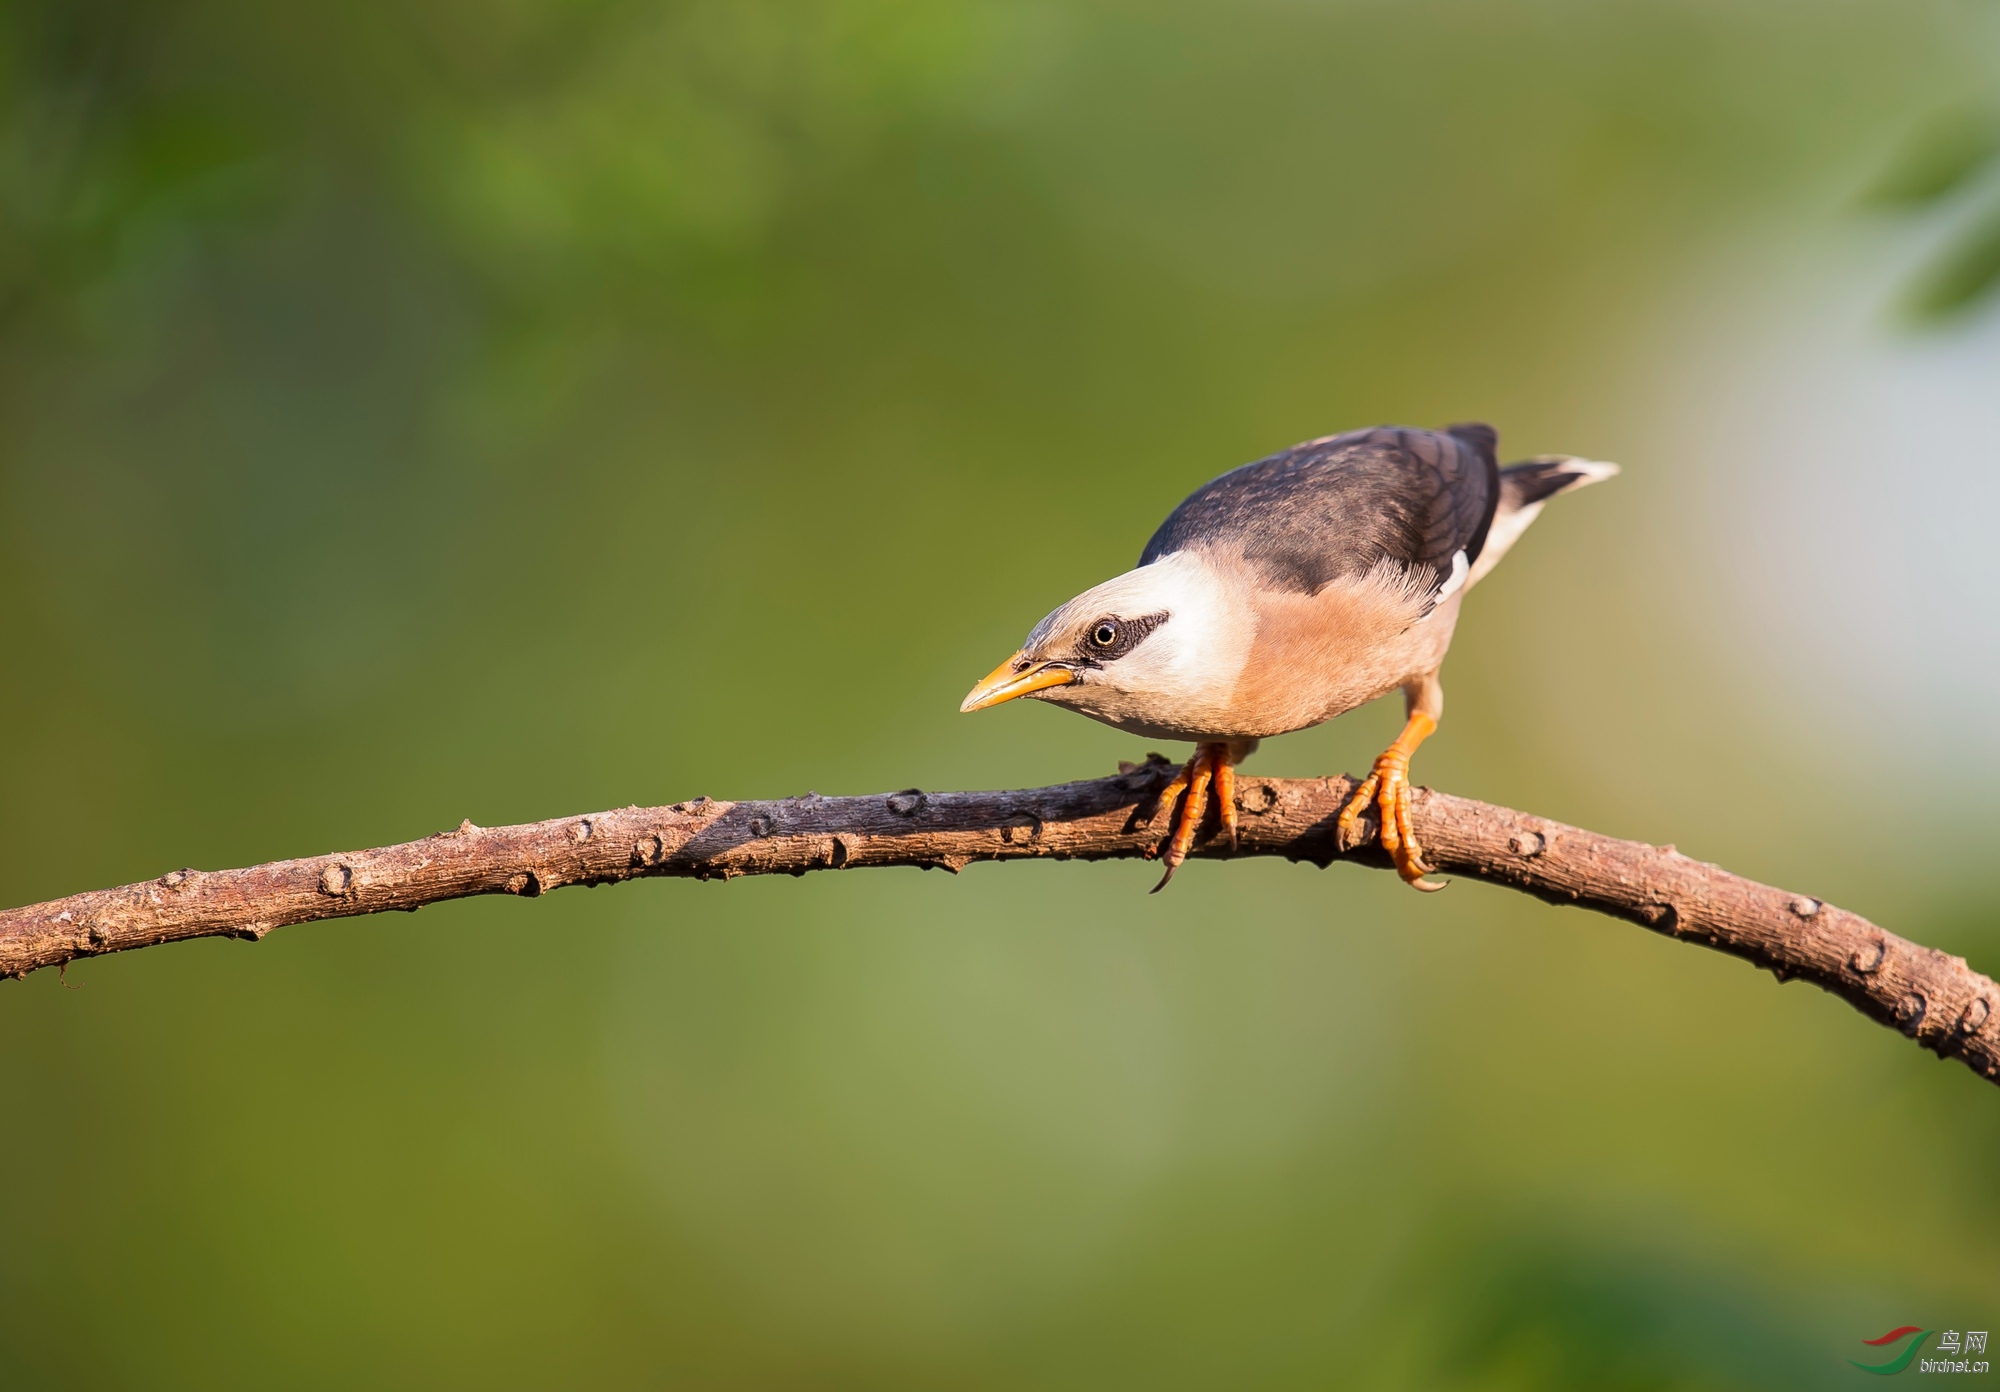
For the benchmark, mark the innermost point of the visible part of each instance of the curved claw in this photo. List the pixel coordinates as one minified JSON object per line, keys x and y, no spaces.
{"x":1209,"y":770}
{"x":1193,"y":806}
{"x":1388,"y":788}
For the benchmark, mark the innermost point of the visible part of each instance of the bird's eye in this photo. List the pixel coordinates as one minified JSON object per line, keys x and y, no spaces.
{"x":1105,"y":634}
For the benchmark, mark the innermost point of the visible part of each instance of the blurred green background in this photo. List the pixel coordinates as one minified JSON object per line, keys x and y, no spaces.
{"x":431,"y":410}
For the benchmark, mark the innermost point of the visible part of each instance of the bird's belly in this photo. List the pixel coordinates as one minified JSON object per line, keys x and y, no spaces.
{"x":1301,"y":704}
{"x":1227,"y":719}
{"x":1150,"y":716}
{"x":1308,"y":670}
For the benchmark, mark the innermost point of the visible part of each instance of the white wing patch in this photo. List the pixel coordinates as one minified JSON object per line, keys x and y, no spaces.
{"x":1453,"y":583}
{"x":1460,"y":568}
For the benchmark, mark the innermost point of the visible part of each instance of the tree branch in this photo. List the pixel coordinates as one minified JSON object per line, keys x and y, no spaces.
{"x":1934,"y":998}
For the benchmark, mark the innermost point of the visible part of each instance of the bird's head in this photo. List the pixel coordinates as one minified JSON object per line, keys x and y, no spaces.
{"x":1143,"y":650}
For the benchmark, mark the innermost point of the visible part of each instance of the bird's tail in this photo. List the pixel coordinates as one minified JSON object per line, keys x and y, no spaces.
{"x":1524,"y":487}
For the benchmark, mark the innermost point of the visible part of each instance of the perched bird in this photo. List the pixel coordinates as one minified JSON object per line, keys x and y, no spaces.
{"x":1288,"y":592}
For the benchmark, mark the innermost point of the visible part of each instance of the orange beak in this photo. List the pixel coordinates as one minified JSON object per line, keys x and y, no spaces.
{"x":1017,"y":676}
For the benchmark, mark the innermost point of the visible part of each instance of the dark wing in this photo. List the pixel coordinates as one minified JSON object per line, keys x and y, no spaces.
{"x":1338,"y":507}
{"x":1539,"y":479}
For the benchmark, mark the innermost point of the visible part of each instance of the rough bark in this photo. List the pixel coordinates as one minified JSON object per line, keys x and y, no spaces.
{"x":1930,"y":996}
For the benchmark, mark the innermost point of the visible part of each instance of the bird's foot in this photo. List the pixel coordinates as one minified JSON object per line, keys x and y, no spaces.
{"x":1388,"y":788}
{"x":1211,"y":768}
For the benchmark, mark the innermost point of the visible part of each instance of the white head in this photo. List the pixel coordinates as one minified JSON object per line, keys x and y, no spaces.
{"x":1156,"y":650}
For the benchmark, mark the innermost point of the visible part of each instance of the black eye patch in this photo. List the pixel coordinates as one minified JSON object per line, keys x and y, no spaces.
{"x":1111,"y":637}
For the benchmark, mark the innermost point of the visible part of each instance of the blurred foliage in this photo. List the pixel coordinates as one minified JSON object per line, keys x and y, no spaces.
{"x":1943,"y":158}
{"x":1964,"y":275}
{"x":1532,"y":1312}
{"x":1951,"y":159}
{"x":425,"y":410}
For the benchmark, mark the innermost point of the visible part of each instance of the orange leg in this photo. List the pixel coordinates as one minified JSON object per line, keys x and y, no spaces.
{"x":1211,"y":766}
{"x":1388,"y":787}
{"x":1171,"y":794}
{"x":1225,"y":794}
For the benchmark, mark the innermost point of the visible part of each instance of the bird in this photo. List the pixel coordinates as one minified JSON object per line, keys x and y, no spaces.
{"x":1285,"y":593}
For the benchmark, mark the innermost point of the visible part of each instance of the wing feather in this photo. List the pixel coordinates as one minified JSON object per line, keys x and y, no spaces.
{"x":1338,"y":507}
